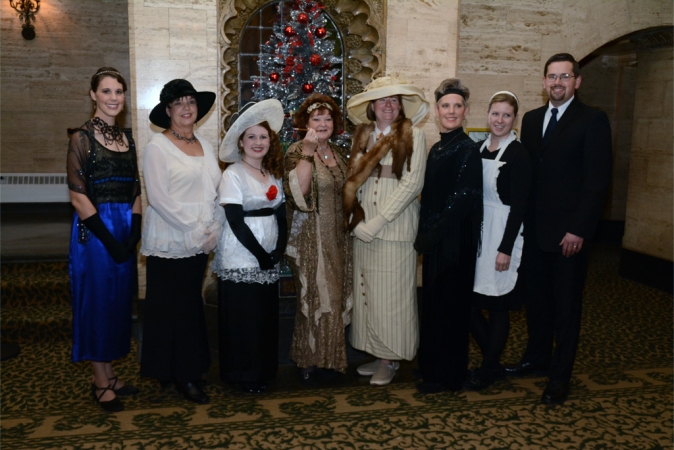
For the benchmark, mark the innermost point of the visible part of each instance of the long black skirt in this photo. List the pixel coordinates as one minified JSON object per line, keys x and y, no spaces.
{"x":175,"y":342}
{"x":447,"y":295}
{"x":248,"y":331}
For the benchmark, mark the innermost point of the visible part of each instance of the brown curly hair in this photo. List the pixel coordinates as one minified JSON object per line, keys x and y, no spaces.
{"x":301,"y":117}
{"x":273,"y":160}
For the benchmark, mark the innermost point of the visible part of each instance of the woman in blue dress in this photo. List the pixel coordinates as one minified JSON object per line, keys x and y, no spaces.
{"x":105,"y":191}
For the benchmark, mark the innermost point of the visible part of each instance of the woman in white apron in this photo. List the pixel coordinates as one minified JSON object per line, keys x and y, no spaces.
{"x":506,"y":177}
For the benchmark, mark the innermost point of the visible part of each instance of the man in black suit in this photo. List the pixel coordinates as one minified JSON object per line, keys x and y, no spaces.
{"x":571,"y":152}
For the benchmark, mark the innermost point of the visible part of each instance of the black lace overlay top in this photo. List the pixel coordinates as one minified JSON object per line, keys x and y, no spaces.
{"x":103,"y":175}
{"x":451,"y":201}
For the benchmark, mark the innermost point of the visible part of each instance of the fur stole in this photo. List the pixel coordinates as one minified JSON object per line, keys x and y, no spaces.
{"x":361,"y":164}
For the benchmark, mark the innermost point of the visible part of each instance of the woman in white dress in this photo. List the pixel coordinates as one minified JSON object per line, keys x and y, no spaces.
{"x":182,"y":223}
{"x":251,"y":245}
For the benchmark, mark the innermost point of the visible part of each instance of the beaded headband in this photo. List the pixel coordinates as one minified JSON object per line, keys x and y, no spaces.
{"x":111,"y":72}
{"x":314,"y":106}
{"x":507,"y":93}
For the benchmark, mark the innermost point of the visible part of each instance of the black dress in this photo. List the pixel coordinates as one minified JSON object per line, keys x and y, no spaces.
{"x":449,"y":237}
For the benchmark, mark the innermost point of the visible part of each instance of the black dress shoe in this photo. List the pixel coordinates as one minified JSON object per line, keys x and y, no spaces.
{"x":192,"y":392}
{"x":125,"y":390}
{"x":431,"y":388}
{"x":525,"y":368}
{"x":113,"y":405}
{"x":326,"y":374}
{"x":253,"y":388}
{"x":555,"y":393}
{"x":481,"y":379}
{"x":308,"y":378}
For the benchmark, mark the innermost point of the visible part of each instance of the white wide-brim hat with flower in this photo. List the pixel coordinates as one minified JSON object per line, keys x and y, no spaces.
{"x":270,"y":111}
{"x":414,"y":101}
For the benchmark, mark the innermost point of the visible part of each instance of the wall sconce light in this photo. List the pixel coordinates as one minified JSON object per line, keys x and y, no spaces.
{"x":27,"y":10}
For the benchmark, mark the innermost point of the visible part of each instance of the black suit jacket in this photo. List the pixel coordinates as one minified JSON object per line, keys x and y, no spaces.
{"x":572,"y":172}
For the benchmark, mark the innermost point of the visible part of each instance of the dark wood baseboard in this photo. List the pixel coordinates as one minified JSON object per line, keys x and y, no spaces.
{"x":648,"y":270}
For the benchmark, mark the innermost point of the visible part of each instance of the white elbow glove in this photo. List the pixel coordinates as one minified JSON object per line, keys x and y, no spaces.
{"x":366,"y":232}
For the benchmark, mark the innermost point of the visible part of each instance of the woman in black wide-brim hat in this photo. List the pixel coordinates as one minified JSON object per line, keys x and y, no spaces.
{"x":182,"y":225}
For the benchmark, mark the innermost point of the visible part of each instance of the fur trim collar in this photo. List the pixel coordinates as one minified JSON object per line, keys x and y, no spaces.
{"x":361,"y":163}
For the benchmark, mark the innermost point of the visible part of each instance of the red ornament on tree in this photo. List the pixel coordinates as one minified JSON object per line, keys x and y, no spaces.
{"x":303,"y":18}
{"x":256,"y":84}
{"x":273,"y":77}
{"x":321,"y":32}
{"x":289,"y":31}
{"x":299,"y":68}
{"x":315,"y":59}
{"x":290,"y":61}
{"x":307,"y":88}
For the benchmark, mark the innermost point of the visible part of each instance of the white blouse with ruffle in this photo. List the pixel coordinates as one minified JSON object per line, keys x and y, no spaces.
{"x":182,"y":197}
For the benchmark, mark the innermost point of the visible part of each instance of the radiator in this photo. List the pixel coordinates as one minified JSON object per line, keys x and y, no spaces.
{"x":34,"y":188}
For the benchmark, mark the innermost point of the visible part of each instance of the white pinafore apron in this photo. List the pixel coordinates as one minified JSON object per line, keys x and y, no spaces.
{"x":488,"y":281}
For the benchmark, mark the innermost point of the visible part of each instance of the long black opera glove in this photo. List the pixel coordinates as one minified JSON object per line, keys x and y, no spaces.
{"x":134,"y":238}
{"x":234,"y":214}
{"x":282,"y":240}
{"x":116,"y":249}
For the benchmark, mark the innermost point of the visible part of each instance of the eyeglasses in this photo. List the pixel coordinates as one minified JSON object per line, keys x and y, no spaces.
{"x":561,"y":76}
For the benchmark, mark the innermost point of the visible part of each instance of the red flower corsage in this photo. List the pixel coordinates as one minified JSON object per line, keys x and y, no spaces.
{"x":272,"y":192}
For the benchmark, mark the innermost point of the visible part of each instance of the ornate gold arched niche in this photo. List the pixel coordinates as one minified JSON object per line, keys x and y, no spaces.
{"x":362,"y":24}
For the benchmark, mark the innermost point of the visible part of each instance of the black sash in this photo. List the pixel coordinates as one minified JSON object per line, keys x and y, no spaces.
{"x":259,"y":212}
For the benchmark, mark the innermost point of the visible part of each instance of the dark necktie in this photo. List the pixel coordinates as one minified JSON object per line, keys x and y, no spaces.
{"x":551,"y":124}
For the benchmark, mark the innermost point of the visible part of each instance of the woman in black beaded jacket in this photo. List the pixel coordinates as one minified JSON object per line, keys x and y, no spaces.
{"x":448,"y":238}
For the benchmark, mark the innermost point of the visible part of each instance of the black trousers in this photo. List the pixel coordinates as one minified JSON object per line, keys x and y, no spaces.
{"x":175,"y":341}
{"x":554,"y":297}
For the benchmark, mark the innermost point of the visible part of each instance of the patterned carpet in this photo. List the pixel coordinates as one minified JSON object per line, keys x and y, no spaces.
{"x":621,"y":394}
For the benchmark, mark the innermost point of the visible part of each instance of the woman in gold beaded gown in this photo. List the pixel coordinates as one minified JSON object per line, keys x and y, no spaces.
{"x":318,"y":251}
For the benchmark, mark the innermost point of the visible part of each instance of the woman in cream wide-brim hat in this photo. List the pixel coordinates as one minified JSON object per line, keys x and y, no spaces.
{"x":251,"y":245}
{"x":382,"y":210}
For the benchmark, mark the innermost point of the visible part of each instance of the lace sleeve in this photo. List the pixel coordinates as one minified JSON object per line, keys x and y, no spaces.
{"x":132,"y":147}
{"x":291,"y":183}
{"x":76,"y":164}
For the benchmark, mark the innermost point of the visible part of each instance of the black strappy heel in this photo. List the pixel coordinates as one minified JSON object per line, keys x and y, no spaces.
{"x":125,"y":390}
{"x":114,"y":405}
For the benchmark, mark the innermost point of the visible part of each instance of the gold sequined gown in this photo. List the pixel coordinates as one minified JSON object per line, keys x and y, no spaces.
{"x":319,"y":254}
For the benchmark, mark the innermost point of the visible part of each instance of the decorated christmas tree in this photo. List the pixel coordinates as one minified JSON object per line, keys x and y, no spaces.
{"x":298,"y":60}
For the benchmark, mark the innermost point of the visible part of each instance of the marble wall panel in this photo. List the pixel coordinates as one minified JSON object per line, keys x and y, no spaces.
{"x":659,"y":174}
{"x":150,"y":29}
{"x":188,"y":35}
{"x":543,"y":18}
{"x":496,"y":53}
{"x":488,"y":17}
{"x":168,"y":3}
{"x":644,"y":13}
{"x":660,"y":135}
{"x":46,"y":81}
{"x":648,"y":225}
